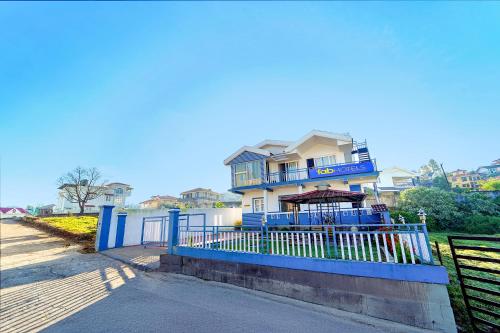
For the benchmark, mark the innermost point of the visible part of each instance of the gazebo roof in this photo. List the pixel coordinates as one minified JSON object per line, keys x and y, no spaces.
{"x":324,"y":196}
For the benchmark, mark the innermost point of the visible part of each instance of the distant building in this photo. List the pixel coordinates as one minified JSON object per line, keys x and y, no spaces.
{"x":490,"y":171}
{"x":114,"y":194}
{"x":200,"y":197}
{"x":158,"y":201}
{"x":46,"y":210}
{"x":392,"y":181}
{"x":231,"y":200}
{"x":464,"y":179}
{"x":12,"y":212}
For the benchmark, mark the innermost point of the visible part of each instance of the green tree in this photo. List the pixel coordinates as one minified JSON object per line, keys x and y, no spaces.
{"x":477,"y":204}
{"x":491,"y":185}
{"x":439,"y":205}
{"x":434,"y":166}
{"x":441,"y":183}
{"x":219,"y":204}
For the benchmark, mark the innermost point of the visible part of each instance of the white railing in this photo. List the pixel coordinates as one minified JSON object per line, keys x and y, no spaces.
{"x":221,"y":238}
{"x":402,"y":243}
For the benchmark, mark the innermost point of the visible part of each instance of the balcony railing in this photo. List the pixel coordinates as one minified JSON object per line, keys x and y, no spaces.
{"x":287,"y":176}
{"x":297,"y":174}
{"x":300,"y":174}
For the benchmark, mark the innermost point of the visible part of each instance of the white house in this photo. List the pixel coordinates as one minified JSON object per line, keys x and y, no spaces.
{"x":115,"y":194}
{"x":272,"y":169}
{"x":12,"y":212}
{"x":392,"y":181}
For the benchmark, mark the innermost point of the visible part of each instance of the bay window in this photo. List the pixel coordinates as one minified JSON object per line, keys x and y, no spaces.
{"x":248,"y":173}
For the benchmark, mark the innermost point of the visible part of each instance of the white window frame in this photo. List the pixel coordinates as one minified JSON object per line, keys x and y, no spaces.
{"x":256,"y":205}
{"x":324,"y":161}
{"x":247,"y":174}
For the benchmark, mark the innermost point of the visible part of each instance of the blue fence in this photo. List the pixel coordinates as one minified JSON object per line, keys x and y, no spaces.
{"x":396,"y":251}
{"x":344,"y":216}
{"x":401,"y":243}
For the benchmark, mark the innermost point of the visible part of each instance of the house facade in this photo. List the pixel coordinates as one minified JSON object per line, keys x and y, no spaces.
{"x":200,"y":197}
{"x":114,"y":194}
{"x":272,"y":169}
{"x":464,"y":179}
{"x":159,"y":201}
{"x":392,"y":181}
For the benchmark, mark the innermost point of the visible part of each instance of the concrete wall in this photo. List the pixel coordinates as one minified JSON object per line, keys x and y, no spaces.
{"x":424,"y":305}
{"x":133,"y":225}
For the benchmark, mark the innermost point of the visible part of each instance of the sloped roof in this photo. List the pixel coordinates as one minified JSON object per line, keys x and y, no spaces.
{"x":8,"y":209}
{"x":323,"y":134}
{"x":288,"y":146}
{"x":322,"y":196}
{"x":396,"y":169}
{"x":198,"y":189}
{"x":280,"y":143}
{"x":243,"y":149}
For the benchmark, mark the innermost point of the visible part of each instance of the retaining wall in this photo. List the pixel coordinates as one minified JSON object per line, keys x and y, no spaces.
{"x":419,"y":304}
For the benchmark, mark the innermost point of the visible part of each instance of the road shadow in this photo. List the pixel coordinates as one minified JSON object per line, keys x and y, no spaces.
{"x":39,"y":295}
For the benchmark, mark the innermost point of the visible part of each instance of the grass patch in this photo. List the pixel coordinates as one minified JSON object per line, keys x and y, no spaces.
{"x":79,"y":229}
{"x":79,"y":225}
{"x":456,"y":298}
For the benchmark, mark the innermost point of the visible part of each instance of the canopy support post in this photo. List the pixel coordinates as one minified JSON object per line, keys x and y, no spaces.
{"x":359,"y":217}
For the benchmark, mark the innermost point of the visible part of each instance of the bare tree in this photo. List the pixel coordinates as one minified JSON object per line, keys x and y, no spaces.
{"x":81,"y":185}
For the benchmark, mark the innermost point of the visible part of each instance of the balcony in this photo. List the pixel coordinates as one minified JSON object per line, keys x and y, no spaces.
{"x":310,"y":174}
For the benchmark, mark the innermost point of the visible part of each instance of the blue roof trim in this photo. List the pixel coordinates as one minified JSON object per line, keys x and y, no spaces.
{"x":302,"y":181}
{"x":247,"y":156}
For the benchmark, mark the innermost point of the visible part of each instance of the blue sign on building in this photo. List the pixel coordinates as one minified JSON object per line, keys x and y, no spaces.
{"x":340,"y":170}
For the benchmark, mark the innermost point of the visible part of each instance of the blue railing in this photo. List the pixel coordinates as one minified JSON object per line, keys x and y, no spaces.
{"x":290,"y":175}
{"x":301,"y":174}
{"x":344,"y":216}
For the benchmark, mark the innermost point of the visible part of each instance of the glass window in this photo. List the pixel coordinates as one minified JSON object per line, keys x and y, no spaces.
{"x":119,"y":191}
{"x":324,"y":161}
{"x":258,"y":205}
{"x":247,"y":173}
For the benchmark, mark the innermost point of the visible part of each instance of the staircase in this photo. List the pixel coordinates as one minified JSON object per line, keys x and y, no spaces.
{"x":361,"y":149}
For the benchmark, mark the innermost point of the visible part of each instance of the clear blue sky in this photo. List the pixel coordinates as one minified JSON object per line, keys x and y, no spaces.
{"x":158,"y":94}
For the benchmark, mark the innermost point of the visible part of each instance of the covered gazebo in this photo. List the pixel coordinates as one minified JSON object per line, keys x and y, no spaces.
{"x":326,"y":202}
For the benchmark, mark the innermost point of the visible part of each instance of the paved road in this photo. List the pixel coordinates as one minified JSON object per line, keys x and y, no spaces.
{"x":48,"y":285}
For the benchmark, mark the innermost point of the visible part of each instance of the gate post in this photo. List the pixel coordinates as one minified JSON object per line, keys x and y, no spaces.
{"x":120,"y":228}
{"x":103,"y":225}
{"x":173,"y":230}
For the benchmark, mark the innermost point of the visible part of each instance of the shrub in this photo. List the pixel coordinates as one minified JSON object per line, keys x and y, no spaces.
{"x":409,"y":217}
{"x":491,"y":185}
{"x":439,"y":205}
{"x":478,"y":204}
{"x":480,"y":224}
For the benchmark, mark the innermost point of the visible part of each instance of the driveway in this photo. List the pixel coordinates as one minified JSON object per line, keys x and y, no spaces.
{"x":46,"y":284}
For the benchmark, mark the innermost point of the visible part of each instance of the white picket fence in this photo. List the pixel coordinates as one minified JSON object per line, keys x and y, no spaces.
{"x":407,"y":244}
